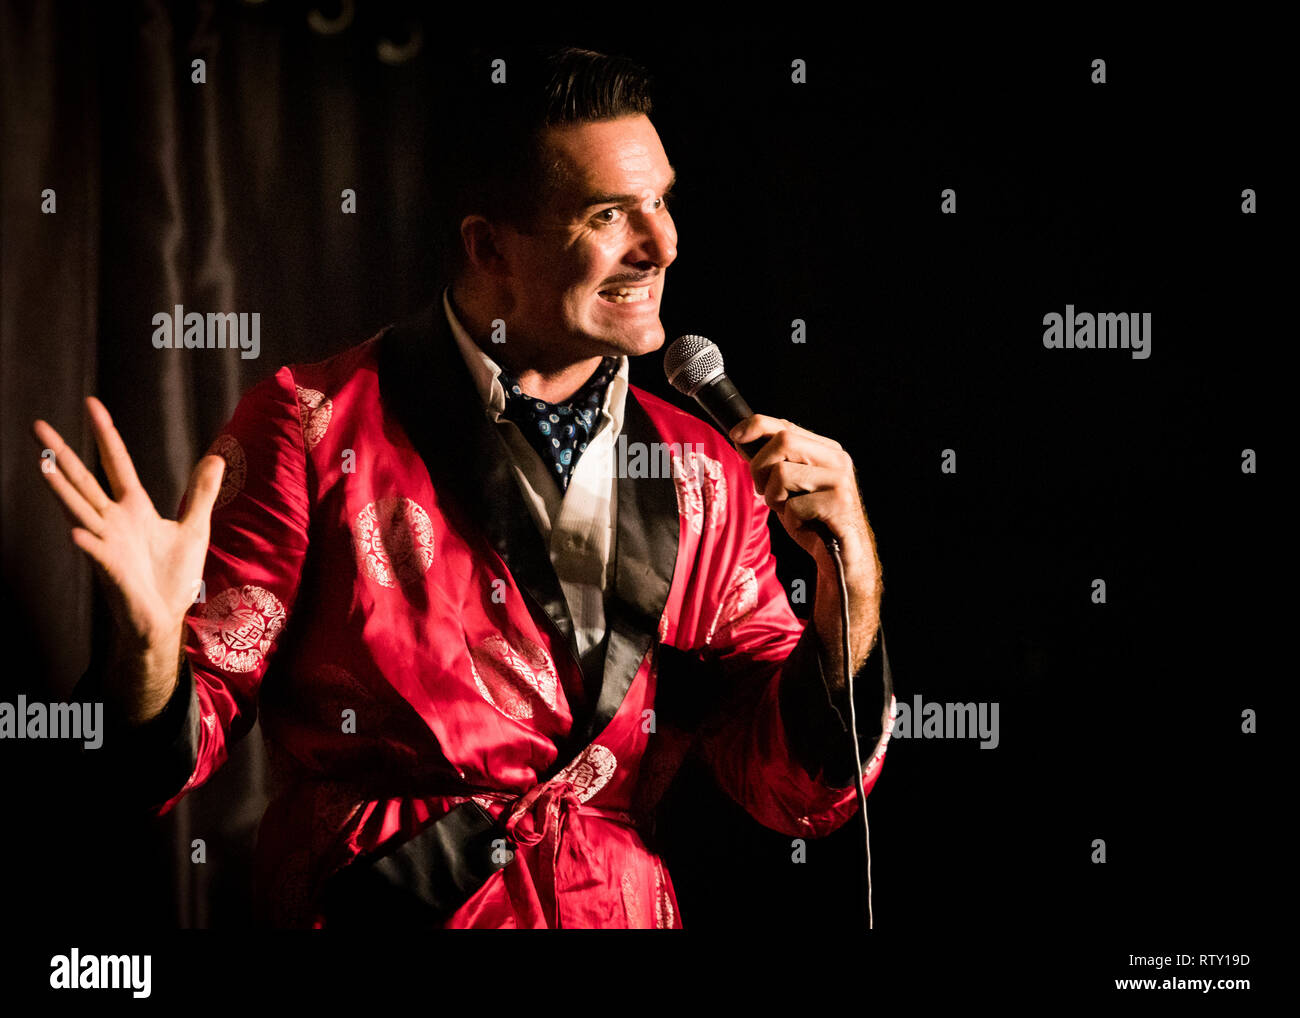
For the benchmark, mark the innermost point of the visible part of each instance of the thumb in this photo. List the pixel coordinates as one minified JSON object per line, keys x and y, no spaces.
{"x":205,"y":485}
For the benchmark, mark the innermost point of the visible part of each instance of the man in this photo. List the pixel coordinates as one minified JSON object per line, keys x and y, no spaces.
{"x":491,"y":652}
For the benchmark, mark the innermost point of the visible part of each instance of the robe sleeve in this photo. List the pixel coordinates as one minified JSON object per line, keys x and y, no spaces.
{"x":780,"y":745}
{"x":139,"y":766}
{"x":256,"y":548}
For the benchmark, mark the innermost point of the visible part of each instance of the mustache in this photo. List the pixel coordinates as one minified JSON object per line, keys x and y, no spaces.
{"x":638,"y":281}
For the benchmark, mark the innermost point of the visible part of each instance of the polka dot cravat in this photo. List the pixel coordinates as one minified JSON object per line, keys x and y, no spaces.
{"x":560,"y":431}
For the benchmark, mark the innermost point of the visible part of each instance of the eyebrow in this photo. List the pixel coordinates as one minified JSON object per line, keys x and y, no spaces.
{"x":592,"y":200}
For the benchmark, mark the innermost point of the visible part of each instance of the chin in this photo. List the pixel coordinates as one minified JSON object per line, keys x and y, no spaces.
{"x":651,"y":342}
{"x":647,"y":341}
{"x":645,"y":345}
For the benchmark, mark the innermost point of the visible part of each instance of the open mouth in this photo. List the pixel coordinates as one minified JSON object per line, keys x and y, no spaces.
{"x":626,"y":294}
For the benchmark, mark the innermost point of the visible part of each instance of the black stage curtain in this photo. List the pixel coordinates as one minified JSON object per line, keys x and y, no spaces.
{"x":819,"y":202}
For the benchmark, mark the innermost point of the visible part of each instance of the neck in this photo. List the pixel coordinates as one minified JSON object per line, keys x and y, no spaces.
{"x":553,"y":379}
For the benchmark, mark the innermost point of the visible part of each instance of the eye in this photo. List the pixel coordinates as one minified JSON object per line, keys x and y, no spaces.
{"x":653,"y":204}
{"x":611,"y":211}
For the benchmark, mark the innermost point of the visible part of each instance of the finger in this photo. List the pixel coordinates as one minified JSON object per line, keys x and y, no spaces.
{"x":796,"y":448}
{"x":813,"y":448}
{"x":813,"y":435}
{"x":93,"y":546}
{"x":112,"y":450}
{"x":787,"y":479}
{"x":201,"y":496}
{"x":810,"y":506}
{"x":759,"y":425}
{"x":75,"y":508}
{"x":75,"y":471}
{"x":754,"y":427}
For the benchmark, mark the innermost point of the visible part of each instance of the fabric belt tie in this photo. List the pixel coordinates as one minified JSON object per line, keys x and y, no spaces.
{"x":539,"y":817}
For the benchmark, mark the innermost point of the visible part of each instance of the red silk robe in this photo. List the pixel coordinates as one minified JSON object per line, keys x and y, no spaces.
{"x":376,"y":588}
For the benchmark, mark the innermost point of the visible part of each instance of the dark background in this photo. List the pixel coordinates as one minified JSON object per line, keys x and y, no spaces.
{"x":820,"y":201}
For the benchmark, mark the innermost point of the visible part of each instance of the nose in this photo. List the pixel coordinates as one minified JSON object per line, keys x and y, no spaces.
{"x":657,"y":239}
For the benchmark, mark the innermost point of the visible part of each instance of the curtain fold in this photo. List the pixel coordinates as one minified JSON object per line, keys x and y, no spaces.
{"x":224,"y":195}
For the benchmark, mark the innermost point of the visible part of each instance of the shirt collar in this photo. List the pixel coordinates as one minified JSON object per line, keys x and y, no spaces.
{"x":487,"y":374}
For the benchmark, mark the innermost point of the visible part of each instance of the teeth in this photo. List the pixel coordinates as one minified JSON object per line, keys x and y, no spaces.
{"x":627,"y":294}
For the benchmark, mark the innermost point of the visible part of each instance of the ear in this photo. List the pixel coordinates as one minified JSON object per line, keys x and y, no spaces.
{"x":482,"y":241}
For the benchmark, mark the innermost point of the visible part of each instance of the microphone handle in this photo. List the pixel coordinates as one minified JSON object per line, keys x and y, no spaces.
{"x":728,"y":408}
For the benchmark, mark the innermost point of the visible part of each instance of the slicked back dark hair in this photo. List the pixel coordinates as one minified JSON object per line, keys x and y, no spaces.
{"x":499,"y":165}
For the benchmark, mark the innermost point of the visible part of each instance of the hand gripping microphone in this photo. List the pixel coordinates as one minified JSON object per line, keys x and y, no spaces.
{"x":694,"y":368}
{"x":693,"y":365}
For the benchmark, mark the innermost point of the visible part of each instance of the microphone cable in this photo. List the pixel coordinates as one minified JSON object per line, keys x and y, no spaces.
{"x":693,"y":366}
{"x":833,"y":546}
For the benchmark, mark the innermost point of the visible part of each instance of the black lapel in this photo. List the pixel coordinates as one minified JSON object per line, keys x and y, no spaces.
{"x":645,"y":556}
{"x":425,"y":383}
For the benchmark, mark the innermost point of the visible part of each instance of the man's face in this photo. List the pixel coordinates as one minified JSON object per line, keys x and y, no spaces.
{"x":607,"y":228}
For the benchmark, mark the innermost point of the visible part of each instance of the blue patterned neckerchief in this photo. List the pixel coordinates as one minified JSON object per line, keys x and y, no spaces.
{"x":560,"y":431}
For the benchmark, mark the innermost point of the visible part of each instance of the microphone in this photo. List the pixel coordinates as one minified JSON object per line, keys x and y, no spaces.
{"x":694,"y":368}
{"x":693,"y":365}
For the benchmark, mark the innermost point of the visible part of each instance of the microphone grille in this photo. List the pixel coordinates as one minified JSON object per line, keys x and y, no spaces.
{"x":690,"y":362}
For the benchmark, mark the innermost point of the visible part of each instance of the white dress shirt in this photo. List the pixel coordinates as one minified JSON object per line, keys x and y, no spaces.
{"x":579,"y":524}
